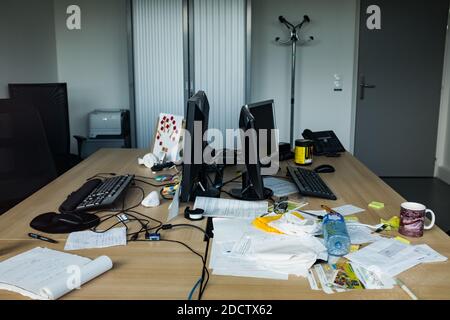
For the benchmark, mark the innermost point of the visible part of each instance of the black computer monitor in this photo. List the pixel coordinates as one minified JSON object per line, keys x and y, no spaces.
{"x":194,"y":179}
{"x":252,"y":183}
{"x":263,"y":112}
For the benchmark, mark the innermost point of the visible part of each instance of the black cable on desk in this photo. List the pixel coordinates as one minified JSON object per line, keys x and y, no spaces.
{"x":232,"y":180}
{"x":171,"y":226}
{"x":157,"y":185}
{"x":203,"y":284}
{"x":204,"y":268}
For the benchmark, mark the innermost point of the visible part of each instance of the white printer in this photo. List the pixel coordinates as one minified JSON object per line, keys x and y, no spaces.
{"x":109,"y":123}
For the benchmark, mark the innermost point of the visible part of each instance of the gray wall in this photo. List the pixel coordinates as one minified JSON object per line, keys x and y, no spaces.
{"x":27,"y":38}
{"x":93,"y":61}
{"x":318,"y":107}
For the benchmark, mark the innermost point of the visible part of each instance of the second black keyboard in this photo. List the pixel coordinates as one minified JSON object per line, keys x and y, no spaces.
{"x":309,"y":183}
{"x":97,"y":194}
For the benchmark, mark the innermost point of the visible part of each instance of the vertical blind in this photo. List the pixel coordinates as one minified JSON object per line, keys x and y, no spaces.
{"x":219,"y":58}
{"x":218,"y":55}
{"x":158,"y":63}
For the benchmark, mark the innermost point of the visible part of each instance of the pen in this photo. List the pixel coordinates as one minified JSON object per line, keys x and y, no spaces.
{"x":406,"y":289}
{"x":38,"y":237}
{"x":310,"y":213}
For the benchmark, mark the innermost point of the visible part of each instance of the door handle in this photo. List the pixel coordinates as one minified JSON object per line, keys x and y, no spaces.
{"x":363,"y":86}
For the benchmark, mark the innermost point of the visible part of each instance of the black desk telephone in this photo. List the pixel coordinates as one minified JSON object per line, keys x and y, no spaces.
{"x":326,"y":143}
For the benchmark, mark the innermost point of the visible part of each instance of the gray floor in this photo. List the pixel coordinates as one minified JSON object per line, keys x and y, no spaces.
{"x":432,"y":192}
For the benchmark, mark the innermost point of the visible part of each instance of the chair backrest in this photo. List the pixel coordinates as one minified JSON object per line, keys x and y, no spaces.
{"x":51,"y":101}
{"x":26,"y":163}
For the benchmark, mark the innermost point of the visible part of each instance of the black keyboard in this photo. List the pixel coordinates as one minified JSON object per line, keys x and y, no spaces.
{"x":97,"y":194}
{"x":310,"y":184}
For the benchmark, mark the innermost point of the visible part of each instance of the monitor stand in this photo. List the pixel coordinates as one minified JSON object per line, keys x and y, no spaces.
{"x":248,"y":193}
{"x":207,"y":189}
{"x":208,"y":193}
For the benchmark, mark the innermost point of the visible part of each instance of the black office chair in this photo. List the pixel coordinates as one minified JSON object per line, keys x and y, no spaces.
{"x":26,"y":163}
{"x":51,"y":101}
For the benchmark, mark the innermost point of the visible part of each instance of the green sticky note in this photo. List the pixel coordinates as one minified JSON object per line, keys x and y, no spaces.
{"x":376,"y":205}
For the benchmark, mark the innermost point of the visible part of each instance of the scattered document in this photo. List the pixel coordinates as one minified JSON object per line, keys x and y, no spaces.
{"x":45,"y":274}
{"x":91,"y":240}
{"x":429,"y":254}
{"x":361,"y":234}
{"x":226,"y":208}
{"x":387,"y":256}
{"x":280,"y":187}
{"x":312,"y":281}
{"x":295,"y":224}
{"x":323,"y":279}
{"x":348,"y":210}
{"x":372,"y":281}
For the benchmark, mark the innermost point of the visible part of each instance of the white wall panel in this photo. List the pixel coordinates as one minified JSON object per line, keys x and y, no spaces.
{"x":158,"y":58}
{"x":219,"y":58}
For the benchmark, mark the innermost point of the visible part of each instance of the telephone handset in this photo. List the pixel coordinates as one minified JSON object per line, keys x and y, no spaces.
{"x":326,"y":143}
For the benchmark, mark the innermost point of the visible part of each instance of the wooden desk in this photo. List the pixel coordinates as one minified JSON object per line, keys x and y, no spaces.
{"x":353,"y":184}
{"x":167,"y":271}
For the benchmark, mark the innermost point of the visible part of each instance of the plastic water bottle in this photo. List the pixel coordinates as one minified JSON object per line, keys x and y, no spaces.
{"x":336,"y":235}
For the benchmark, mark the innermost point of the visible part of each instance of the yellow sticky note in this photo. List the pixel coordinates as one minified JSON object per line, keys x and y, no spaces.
{"x":402,"y":240}
{"x":376,"y":205}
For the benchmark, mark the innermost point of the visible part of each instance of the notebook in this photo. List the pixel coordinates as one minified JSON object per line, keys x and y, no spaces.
{"x":45,"y":274}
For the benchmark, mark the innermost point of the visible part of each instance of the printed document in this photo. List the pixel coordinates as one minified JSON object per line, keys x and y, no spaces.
{"x":280,"y":187}
{"x":226,"y":208}
{"x":387,"y":256}
{"x":91,"y":240}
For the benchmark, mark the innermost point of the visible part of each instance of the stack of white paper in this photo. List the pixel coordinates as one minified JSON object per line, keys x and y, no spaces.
{"x":260,"y":254}
{"x":226,"y":234}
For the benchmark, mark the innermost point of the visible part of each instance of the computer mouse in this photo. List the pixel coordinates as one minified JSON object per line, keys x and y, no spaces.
{"x":152,"y":200}
{"x":326,"y":168}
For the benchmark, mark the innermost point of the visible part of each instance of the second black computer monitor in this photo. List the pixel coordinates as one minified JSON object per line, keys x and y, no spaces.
{"x":252,"y":181}
{"x":263,"y":113}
